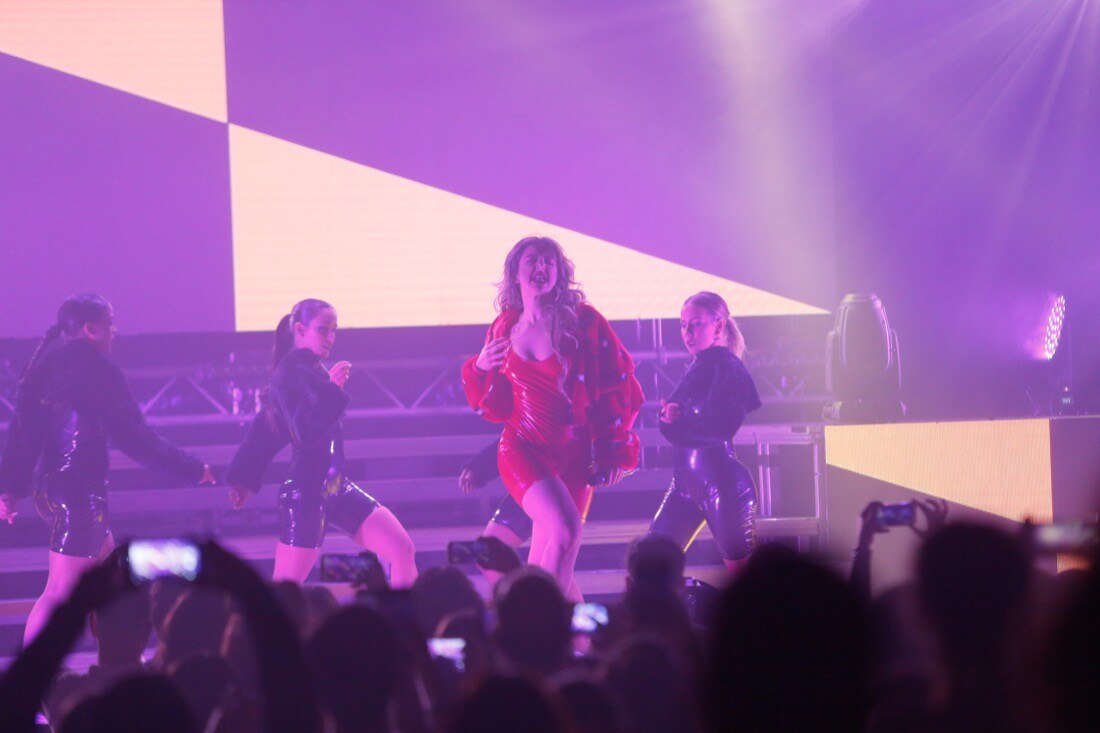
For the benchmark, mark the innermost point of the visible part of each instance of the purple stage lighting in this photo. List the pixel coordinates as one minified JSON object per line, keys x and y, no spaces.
{"x":1042,"y":317}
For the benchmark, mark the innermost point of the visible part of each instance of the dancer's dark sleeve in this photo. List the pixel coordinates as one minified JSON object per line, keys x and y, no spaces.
{"x":310,"y":402}
{"x":716,"y":395}
{"x":483,"y":464}
{"x":26,"y":437}
{"x":262,"y":443}
{"x":616,"y":397}
{"x":129,"y":432}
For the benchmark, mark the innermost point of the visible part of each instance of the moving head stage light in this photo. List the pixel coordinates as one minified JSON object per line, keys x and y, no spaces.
{"x":861,"y":364}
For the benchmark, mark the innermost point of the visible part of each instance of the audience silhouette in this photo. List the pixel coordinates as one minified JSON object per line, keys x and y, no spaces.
{"x":979,"y":640}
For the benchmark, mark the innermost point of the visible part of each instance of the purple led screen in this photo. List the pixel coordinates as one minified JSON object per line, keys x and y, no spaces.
{"x":104,"y":191}
{"x":626,"y":121}
{"x":939,"y":154}
{"x":621,"y":120}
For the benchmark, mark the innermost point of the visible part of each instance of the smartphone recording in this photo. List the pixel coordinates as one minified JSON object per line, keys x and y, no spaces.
{"x":897,"y":515}
{"x":152,"y":559}
{"x":1070,"y":538}
{"x":354,"y":569}
{"x":451,"y":649}
{"x":467,"y":553}
{"x":588,"y":618}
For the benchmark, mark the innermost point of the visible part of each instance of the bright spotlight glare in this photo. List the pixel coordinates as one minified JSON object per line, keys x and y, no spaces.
{"x":1055,"y":320}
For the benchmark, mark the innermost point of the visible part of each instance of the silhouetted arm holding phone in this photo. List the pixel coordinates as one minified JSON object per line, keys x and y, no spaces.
{"x":290,"y":704}
{"x":30,"y":675}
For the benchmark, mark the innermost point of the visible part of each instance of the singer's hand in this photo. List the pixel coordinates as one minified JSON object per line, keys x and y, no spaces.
{"x":493,"y":354}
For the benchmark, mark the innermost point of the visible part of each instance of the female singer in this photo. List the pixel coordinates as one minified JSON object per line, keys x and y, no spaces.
{"x":554,"y":372}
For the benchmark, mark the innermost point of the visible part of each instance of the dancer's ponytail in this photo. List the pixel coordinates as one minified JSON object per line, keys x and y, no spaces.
{"x":304,"y":311}
{"x":284,"y":340}
{"x":75,"y":312}
{"x":735,"y":342}
{"x":51,"y":335}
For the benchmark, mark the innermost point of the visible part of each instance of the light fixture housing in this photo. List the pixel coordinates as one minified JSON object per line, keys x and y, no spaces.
{"x":862,"y":365}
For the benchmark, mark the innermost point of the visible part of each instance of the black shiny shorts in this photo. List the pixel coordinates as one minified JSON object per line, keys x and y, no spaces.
{"x":305,"y":513}
{"x":77,"y":516}
{"x":509,"y":514}
{"x":709,"y":485}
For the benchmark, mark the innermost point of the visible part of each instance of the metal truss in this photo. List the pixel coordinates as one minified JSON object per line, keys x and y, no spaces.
{"x":416,"y":387}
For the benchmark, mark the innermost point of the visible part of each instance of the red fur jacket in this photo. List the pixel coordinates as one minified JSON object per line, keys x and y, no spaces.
{"x":599,"y":381}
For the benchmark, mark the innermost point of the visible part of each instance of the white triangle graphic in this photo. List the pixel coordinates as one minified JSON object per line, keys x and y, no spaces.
{"x":387,"y":251}
{"x":997,"y":466}
{"x":169,"y":51}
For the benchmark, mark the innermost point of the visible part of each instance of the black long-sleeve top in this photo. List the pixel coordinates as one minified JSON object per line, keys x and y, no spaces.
{"x":72,"y":405}
{"x":266,"y":436}
{"x":483,"y":464}
{"x":306,"y":408}
{"x":716,"y":393}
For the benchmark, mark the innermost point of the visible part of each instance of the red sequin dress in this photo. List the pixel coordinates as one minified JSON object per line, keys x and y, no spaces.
{"x":539,"y":439}
{"x":548,"y":433}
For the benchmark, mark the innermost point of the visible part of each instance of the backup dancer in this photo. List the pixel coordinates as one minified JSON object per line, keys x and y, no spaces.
{"x":304,"y":406}
{"x":700,"y":419}
{"x":71,"y":401}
